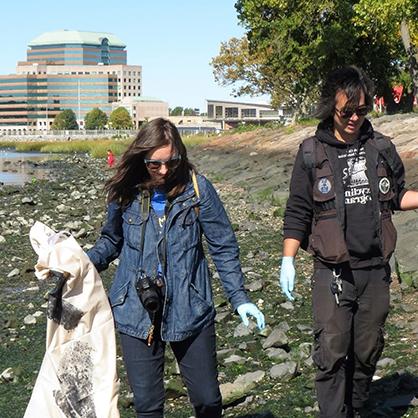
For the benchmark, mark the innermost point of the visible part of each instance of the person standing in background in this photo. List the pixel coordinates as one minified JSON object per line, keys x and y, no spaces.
{"x":110,"y":158}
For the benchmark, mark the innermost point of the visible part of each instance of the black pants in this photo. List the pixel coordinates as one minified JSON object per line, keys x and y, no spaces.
{"x":348,"y":336}
{"x":196,"y":357}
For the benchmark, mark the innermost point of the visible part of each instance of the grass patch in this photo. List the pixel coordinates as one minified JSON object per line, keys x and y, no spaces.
{"x":196,"y":140}
{"x":96,"y":148}
{"x":307,"y":122}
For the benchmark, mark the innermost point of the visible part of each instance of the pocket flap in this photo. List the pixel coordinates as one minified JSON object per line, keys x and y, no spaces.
{"x":118,"y":297}
{"x":132,"y":218}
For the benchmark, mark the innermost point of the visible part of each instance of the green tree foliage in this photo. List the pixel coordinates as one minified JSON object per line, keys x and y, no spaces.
{"x":393,"y":23}
{"x":120,"y":119}
{"x":95,"y":119}
{"x":177,"y":111}
{"x":65,"y":120}
{"x":180,"y":111}
{"x":188,"y":111}
{"x":290,"y":46}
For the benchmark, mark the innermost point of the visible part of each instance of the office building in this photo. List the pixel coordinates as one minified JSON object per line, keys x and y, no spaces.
{"x":231,"y":114}
{"x":66,"y":70}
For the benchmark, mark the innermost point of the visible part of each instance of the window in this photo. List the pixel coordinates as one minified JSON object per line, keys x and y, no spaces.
{"x":218,"y":112}
{"x":231,"y":112}
{"x":248,"y":113}
{"x":210,"y":111}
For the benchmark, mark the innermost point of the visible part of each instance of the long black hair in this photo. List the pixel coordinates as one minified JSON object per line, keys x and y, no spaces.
{"x":349,"y":80}
{"x":132,"y":174}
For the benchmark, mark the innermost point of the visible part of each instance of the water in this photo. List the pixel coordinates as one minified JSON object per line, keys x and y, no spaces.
{"x":18,"y":168}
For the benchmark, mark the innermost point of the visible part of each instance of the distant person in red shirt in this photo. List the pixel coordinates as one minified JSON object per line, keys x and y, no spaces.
{"x":110,"y":158}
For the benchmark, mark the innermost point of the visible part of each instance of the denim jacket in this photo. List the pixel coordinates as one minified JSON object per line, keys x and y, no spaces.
{"x":188,"y":304}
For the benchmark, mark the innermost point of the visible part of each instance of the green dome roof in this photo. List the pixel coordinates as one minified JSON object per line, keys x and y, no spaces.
{"x":65,"y":37}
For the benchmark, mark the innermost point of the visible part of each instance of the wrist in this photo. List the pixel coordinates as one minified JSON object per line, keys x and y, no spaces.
{"x":287,"y":260}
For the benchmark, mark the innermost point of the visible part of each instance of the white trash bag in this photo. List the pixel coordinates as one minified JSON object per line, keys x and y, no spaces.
{"x":78,"y":375}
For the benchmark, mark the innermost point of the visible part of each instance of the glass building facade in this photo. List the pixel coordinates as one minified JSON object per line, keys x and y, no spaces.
{"x":74,"y":54}
{"x":66,"y":70}
{"x":24,"y":100}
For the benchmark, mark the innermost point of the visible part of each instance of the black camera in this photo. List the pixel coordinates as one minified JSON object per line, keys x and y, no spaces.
{"x":150,"y":292}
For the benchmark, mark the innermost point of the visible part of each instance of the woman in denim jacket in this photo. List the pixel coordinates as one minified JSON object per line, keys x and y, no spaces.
{"x":162,"y":289}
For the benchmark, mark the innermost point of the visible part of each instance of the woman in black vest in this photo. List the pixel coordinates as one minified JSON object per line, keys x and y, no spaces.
{"x":346,"y":182}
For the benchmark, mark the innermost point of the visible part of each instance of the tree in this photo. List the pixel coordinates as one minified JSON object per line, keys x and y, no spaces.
{"x":394,"y":23}
{"x":95,"y":119}
{"x":177,"y":111}
{"x":65,"y":120}
{"x":188,"y":111}
{"x":289,"y":47}
{"x":120,"y":119}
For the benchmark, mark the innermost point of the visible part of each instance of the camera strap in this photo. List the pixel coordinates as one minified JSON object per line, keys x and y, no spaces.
{"x":145,"y":204}
{"x":145,"y":211}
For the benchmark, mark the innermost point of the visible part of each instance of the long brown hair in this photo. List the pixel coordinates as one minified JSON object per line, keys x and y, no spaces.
{"x":132,"y":174}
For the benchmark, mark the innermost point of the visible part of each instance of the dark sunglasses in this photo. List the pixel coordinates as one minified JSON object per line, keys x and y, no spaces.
{"x":348,"y":113}
{"x":172,"y":163}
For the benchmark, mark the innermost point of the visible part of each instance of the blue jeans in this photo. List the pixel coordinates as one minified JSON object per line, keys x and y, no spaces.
{"x":196,"y":357}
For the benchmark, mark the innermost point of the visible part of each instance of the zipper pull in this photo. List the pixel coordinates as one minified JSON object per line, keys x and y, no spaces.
{"x":150,"y":335}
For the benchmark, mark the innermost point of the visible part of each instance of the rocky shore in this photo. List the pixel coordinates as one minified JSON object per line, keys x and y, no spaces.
{"x":268,"y":374}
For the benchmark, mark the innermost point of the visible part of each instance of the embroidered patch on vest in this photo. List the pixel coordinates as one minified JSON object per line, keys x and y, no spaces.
{"x":324,"y":185}
{"x":384,"y":185}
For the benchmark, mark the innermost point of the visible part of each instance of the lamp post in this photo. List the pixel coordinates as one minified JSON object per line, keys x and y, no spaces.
{"x":79,"y":105}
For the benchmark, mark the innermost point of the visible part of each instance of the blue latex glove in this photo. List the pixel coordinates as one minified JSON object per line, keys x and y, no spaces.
{"x":287,"y":276}
{"x":250,"y":309}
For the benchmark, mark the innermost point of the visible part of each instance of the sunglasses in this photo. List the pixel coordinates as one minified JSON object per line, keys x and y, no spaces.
{"x":348,"y":113}
{"x":172,"y":163}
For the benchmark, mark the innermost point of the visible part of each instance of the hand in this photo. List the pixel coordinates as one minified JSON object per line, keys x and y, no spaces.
{"x":287,"y":276}
{"x":250,"y":309}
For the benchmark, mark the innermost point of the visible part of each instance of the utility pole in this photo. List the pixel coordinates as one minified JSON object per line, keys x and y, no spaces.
{"x":79,"y":105}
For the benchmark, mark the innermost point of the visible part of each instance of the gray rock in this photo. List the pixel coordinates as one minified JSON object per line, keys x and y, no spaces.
{"x":28,"y":201}
{"x":2,"y":239}
{"x":75,"y":195}
{"x":7,"y":375}
{"x":306,"y":329}
{"x":287,"y":305}
{"x":406,"y":261}
{"x":385,"y":362}
{"x":221,"y":354}
{"x":29,"y":320}
{"x":277,"y":338}
{"x":242,"y":330}
{"x":255,"y":285}
{"x":14,"y":272}
{"x":222,"y":317}
{"x":234,"y":359}
{"x":305,"y":350}
{"x":249,"y":346}
{"x":284,"y":326}
{"x":241,"y":387}
{"x":284,"y":371}
{"x":277,"y":354}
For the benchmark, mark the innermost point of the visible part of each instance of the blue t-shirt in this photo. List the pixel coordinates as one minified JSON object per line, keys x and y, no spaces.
{"x":158,"y":201}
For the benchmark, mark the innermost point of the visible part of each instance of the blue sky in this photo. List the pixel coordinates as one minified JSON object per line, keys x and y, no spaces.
{"x":173,"y":40}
